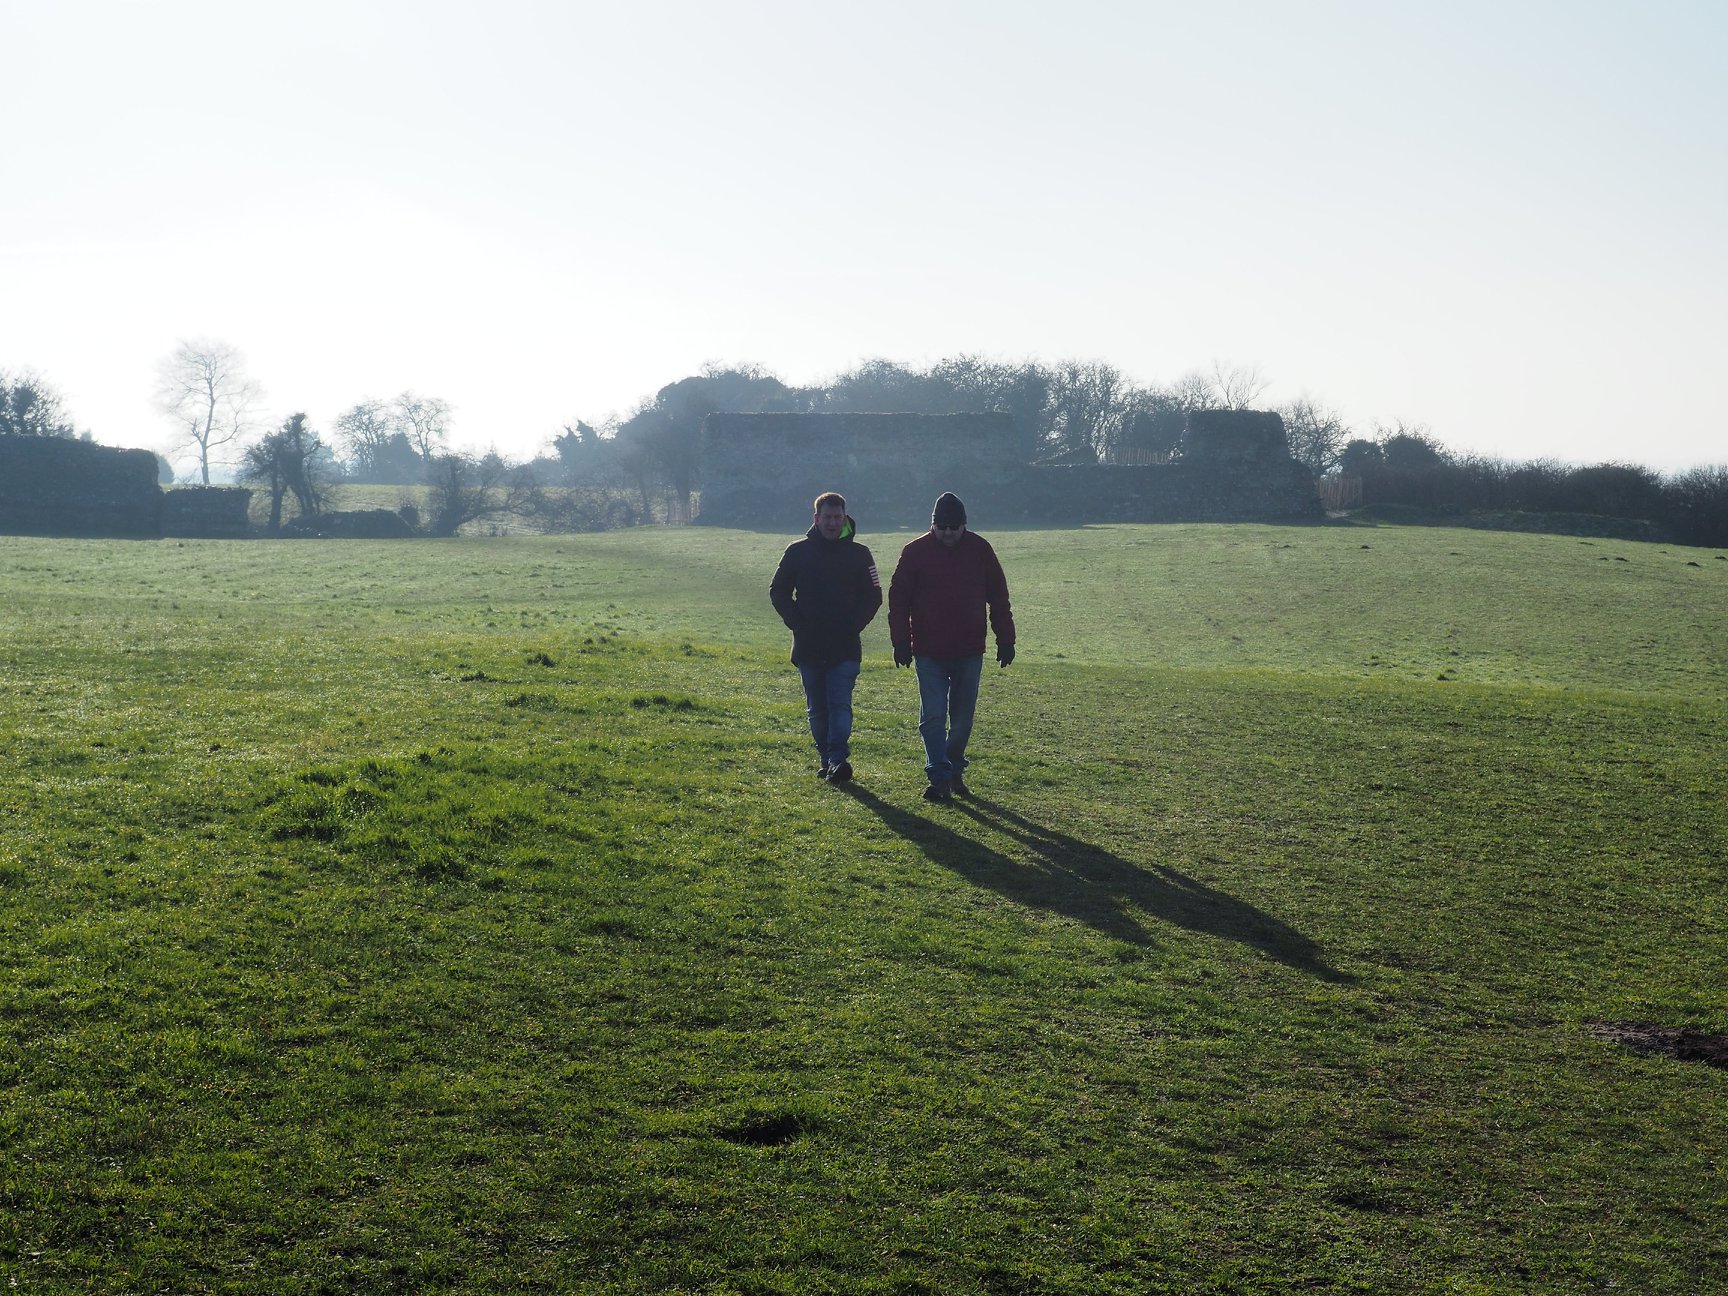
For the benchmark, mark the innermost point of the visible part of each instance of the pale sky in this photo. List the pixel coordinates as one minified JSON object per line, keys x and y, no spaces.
{"x":1504,"y":220}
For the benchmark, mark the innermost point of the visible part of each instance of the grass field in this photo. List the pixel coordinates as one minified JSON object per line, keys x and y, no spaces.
{"x":463,"y":916}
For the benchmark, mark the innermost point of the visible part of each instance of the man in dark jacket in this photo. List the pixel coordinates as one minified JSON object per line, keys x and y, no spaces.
{"x":826,"y":590}
{"x":942,"y":586}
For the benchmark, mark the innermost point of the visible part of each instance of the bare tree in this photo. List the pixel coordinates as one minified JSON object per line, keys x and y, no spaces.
{"x":364,"y":431}
{"x":464,"y":489}
{"x":1192,"y":391}
{"x":394,"y":441}
{"x":1237,"y":387}
{"x":1089,"y":403}
{"x":424,"y":420}
{"x":204,"y":388}
{"x":1316,"y":433}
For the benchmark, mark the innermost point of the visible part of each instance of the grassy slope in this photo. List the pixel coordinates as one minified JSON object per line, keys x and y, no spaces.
{"x":463,"y":916}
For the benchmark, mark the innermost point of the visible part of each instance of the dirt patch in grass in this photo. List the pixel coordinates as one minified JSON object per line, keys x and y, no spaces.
{"x":1666,"y":1041}
{"x":759,"y":1126}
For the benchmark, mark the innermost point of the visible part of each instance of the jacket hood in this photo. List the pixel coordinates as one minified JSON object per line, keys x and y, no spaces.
{"x":846,"y":532}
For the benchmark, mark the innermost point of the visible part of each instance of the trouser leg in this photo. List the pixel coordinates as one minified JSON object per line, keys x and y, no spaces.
{"x":963,"y":678}
{"x":838,"y":685}
{"x":933,"y":685}
{"x":815,"y":682}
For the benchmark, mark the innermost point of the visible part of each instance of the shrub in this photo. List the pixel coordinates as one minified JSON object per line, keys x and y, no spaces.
{"x":1696,"y":505}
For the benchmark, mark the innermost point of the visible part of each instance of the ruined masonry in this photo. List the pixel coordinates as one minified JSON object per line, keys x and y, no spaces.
{"x":52,"y":486}
{"x":762,"y":470}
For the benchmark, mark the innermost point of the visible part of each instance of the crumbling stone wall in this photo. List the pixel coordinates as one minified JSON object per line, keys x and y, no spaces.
{"x":762,"y":470}
{"x":207,"y":512}
{"x":1174,"y":492}
{"x":54,"y":486}
{"x":1237,"y":437}
{"x":357,"y":524}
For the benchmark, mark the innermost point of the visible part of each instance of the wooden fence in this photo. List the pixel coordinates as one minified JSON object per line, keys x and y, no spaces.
{"x":1340,"y":491}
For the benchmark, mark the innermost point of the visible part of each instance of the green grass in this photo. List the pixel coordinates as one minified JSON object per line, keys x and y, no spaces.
{"x":463,"y":916}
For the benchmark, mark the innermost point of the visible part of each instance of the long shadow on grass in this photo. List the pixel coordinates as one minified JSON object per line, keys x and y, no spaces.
{"x":1090,"y":885}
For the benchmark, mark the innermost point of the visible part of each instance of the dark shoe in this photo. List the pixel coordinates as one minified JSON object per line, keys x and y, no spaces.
{"x":822,"y":772}
{"x":938,"y":792}
{"x":839,"y":773}
{"x":958,"y":787}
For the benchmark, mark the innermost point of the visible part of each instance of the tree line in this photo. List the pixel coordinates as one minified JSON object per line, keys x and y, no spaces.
{"x":1407,"y":468}
{"x":1072,"y":411}
{"x":1086,"y":411}
{"x":645,"y":465}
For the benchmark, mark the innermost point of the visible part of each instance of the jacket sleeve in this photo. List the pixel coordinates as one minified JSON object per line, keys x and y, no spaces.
{"x":780,"y":591}
{"x":901,"y":591}
{"x":996,"y":594}
{"x":869,"y":601}
{"x":900,"y":588}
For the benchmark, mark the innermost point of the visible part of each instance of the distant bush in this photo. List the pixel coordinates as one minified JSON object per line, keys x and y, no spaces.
{"x":1698,"y":505}
{"x":1690,"y":507}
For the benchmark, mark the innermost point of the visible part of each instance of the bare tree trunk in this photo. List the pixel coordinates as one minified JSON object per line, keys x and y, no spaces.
{"x":204,"y":388}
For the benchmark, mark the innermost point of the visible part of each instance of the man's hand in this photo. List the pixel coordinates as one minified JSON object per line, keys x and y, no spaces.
{"x":1004,"y":654}
{"x":902,"y":654}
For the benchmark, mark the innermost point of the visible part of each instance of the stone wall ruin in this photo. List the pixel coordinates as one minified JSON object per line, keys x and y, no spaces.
{"x":354,"y":524}
{"x":55,"y":486}
{"x":52,"y":486}
{"x":762,"y":470}
{"x":207,"y":512}
{"x":765,"y":469}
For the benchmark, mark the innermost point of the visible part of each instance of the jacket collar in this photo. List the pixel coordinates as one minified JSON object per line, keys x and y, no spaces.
{"x":846,"y":532}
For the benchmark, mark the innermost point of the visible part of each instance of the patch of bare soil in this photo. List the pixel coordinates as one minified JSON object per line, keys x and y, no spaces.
{"x":1666,"y":1041}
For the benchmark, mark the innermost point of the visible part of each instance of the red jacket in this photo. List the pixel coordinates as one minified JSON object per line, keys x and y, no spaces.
{"x":937,"y":597}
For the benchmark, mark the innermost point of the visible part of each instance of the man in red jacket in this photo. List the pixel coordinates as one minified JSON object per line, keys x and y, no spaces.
{"x":937,"y":599}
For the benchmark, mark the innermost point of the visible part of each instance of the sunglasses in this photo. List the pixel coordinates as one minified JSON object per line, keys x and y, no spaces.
{"x":958,"y":526}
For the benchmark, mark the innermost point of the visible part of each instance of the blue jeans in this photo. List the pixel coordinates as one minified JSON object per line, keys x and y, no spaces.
{"x":947,"y":701}
{"x":828,"y":700}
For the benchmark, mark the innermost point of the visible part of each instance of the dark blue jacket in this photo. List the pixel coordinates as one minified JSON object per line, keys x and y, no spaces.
{"x":826,"y":591}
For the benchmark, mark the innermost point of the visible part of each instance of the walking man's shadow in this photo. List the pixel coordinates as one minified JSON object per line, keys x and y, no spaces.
{"x":1084,"y":882}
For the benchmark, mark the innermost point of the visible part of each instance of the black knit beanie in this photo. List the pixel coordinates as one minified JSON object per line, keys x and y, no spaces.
{"x":948,"y":511}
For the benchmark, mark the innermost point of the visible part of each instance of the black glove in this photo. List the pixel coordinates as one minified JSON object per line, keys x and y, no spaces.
{"x":902,"y":654}
{"x":1004,"y":653}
